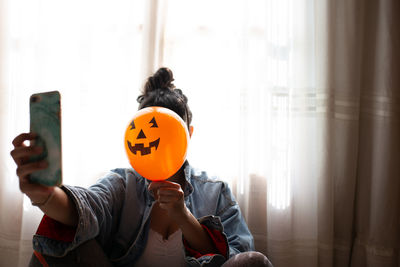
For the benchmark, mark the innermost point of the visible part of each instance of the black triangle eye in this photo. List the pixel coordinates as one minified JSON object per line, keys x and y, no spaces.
{"x":132,"y":125}
{"x":153,"y":121}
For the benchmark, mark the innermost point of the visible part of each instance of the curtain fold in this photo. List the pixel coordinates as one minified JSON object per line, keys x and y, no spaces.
{"x":153,"y":27}
{"x":10,"y":200}
{"x":377,"y":205}
{"x":356,"y":211}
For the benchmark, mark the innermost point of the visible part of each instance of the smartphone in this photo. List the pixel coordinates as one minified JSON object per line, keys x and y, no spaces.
{"x":45,"y":121}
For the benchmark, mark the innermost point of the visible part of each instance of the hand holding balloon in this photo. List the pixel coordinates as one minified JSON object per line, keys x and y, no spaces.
{"x":156,"y":142}
{"x":170,"y":197}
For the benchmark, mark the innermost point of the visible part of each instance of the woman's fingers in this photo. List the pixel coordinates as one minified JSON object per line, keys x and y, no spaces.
{"x":170,"y":197}
{"x":28,"y":168}
{"x":26,"y":151}
{"x":166,"y":191}
{"x":20,"y":139}
{"x":159,"y":184}
{"x":27,"y":187}
{"x":166,"y":195}
{"x":19,"y":154}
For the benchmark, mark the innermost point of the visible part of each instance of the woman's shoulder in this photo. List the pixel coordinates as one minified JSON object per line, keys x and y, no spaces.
{"x":212,"y":193}
{"x":202,"y":176}
{"x":201,"y":179}
{"x":124,"y":173}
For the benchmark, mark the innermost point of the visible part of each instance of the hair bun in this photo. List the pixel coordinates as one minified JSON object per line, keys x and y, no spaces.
{"x":162,"y":79}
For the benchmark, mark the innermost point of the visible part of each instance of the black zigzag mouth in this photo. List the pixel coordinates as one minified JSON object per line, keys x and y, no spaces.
{"x":143,"y":150}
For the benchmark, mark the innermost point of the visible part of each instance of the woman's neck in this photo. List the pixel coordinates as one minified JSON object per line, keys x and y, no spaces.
{"x":178,"y":177}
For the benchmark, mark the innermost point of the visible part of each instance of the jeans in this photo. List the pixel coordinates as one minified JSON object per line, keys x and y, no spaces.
{"x":91,"y":254}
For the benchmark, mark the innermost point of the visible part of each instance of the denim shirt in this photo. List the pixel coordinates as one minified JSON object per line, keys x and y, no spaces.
{"x":116,"y":210}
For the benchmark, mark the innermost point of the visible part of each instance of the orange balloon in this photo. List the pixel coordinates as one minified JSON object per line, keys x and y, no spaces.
{"x":156,"y":142}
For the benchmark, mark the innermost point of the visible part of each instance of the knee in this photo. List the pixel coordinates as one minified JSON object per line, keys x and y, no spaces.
{"x":251,"y":258}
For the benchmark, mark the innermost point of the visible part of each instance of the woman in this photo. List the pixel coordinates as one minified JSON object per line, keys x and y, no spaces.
{"x":124,"y":220}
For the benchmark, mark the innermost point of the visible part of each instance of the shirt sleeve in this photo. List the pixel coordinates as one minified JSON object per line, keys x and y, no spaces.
{"x":220,"y":215}
{"x":227,"y":229}
{"x":235,"y":228}
{"x":213,"y":227}
{"x":98,"y":209}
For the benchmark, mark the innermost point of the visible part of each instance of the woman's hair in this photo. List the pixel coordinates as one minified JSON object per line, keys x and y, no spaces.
{"x":160,"y":91}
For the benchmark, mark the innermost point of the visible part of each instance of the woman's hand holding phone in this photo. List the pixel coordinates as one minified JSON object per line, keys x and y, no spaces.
{"x":52,"y":200}
{"x":21,"y":155}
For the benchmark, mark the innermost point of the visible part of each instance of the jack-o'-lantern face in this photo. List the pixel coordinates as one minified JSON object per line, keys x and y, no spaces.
{"x":156,"y":142}
{"x":141,"y":138}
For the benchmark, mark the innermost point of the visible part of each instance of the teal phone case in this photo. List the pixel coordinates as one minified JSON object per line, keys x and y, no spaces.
{"x":45,"y":121}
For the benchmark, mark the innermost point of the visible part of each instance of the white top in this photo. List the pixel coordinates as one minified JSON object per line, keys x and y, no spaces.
{"x":163,"y":252}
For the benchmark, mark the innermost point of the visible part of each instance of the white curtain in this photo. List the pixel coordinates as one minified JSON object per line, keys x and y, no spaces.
{"x":294,"y":104}
{"x":256,"y":77}
{"x":91,"y":52}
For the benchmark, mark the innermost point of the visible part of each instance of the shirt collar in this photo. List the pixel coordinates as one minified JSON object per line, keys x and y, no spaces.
{"x":188,"y":172}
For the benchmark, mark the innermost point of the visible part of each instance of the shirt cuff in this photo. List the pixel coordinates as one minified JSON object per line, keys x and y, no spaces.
{"x":53,"y":229}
